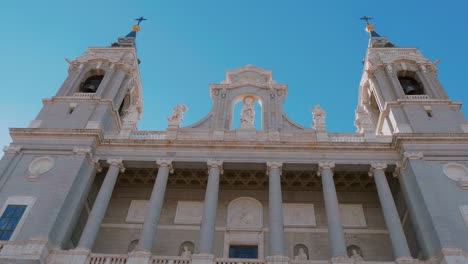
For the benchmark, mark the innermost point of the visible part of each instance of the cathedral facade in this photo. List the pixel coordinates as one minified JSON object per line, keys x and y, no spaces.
{"x":82,"y":185}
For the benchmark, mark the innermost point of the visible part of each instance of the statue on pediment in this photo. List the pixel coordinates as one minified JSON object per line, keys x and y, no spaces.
{"x":319,"y":119}
{"x":177,"y":115}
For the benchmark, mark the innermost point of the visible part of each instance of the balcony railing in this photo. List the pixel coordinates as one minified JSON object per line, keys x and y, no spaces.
{"x":421,"y":97}
{"x":346,"y":138}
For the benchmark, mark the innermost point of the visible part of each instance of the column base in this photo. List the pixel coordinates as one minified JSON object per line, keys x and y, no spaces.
{"x":453,"y":256}
{"x":73,"y":256}
{"x":139,"y":257}
{"x":27,"y":252}
{"x":202,"y":259}
{"x":277,"y":260}
{"x":405,"y":260}
{"x":341,"y":260}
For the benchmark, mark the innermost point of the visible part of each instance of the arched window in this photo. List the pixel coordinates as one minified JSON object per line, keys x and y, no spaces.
{"x":409,"y":83}
{"x":91,"y":84}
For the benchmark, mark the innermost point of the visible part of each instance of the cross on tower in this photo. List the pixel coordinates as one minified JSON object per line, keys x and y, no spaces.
{"x":140,"y":19}
{"x":366,"y":18}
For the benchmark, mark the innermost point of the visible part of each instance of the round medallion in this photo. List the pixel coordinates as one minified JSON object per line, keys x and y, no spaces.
{"x":41,"y":165}
{"x":455,"y":171}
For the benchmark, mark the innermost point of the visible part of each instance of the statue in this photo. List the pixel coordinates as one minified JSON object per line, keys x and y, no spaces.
{"x":319,"y":119}
{"x":177,"y":115}
{"x":301,"y":255}
{"x":186,"y":253}
{"x":363,"y":120}
{"x":356,"y":256}
{"x":248,"y":113}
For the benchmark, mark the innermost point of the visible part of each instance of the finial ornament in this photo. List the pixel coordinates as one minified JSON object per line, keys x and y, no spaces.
{"x":369,"y":26}
{"x":136,"y":27}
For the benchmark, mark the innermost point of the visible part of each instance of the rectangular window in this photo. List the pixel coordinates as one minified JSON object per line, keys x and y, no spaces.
{"x":10,"y":219}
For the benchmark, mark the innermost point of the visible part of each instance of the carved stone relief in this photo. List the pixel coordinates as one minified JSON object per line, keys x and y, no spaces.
{"x":137,"y":211}
{"x":245,"y":214}
{"x":457,"y":172}
{"x":352,"y":216}
{"x":40,"y":166}
{"x":299,"y":215}
{"x":189,"y":213}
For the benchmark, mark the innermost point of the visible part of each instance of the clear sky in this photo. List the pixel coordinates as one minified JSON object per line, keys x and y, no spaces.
{"x":316,"y":47}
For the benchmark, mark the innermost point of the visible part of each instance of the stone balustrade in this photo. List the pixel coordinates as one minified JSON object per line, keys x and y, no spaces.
{"x":107,"y":259}
{"x":84,"y":95}
{"x":154,"y":135}
{"x":347,"y":138}
{"x":421,"y":97}
{"x":169,"y":260}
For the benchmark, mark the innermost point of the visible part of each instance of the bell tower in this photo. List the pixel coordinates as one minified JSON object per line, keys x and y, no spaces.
{"x":102,"y":91}
{"x":400,"y":92}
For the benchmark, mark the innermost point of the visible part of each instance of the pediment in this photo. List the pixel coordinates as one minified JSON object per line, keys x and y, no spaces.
{"x":248,"y":74}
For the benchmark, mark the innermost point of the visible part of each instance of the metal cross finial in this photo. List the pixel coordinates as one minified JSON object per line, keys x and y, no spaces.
{"x":366,"y":18}
{"x":140,"y":19}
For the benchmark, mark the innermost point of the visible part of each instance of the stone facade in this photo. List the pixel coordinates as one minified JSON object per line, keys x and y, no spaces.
{"x":97,"y":190}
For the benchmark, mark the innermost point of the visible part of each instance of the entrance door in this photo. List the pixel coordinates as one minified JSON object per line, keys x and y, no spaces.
{"x":247,"y":252}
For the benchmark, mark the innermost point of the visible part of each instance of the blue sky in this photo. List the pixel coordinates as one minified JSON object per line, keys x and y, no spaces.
{"x":316,"y":47}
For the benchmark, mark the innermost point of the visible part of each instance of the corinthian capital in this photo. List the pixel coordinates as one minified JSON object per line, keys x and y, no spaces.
{"x":11,"y":149}
{"x":165,"y":163}
{"x":215,"y":164}
{"x":274,"y":165}
{"x":377,"y":166}
{"x":325,"y":165}
{"x":116,"y":162}
{"x":413,"y":155}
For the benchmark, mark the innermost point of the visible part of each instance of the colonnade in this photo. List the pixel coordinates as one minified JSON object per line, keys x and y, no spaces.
{"x":276,"y":227}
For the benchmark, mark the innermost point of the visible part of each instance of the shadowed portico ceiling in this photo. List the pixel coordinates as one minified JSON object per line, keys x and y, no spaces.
{"x":247,"y":179}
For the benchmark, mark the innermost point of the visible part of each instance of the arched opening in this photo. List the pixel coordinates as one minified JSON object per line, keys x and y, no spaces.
{"x":92,"y":82}
{"x":247,"y":113}
{"x":301,"y":252}
{"x":132,"y":245}
{"x":124,"y":105}
{"x":354,"y":252}
{"x":410,"y":84}
{"x":186,"y":249}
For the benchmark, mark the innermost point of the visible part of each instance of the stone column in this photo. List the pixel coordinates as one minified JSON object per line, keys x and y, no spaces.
{"x":207,"y":229}
{"x":392,"y":220}
{"x":150,"y":226}
{"x":335,"y":228}
{"x":275,"y":209}
{"x":94,"y":221}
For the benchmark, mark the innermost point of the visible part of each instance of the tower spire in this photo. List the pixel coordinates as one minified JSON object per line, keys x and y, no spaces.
{"x":129,"y":39}
{"x":376,"y":41}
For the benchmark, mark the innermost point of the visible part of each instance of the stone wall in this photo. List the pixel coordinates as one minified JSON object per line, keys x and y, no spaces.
{"x":116,"y":234}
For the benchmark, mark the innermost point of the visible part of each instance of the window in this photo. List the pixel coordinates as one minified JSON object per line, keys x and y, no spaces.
{"x":249,"y":252}
{"x":10,"y":219}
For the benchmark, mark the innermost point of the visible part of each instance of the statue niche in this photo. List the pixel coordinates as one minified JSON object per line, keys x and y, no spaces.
{"x":248,"y":113}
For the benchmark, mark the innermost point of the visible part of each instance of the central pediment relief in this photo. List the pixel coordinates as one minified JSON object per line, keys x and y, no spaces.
{"x":249,"y":73}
